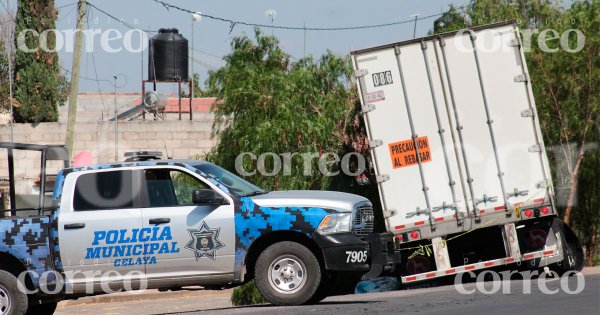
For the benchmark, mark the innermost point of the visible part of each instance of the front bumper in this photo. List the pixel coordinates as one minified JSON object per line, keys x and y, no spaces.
{"x":346,"y":252}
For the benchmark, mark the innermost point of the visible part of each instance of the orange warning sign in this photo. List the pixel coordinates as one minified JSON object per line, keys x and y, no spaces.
{"x":403,"y":153}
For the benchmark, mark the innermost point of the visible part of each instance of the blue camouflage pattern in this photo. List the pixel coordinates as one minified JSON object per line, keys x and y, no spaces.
{"x":27,"y":240}
{"x":253,"y":221}
{"x":56,"y":194}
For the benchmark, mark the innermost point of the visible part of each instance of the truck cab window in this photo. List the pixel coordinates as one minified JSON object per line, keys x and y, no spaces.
{"x":170,"y":188}
{"x":104,"y":190}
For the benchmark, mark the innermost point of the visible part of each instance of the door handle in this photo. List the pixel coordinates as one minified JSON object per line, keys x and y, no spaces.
{"x":74,"y":226}
{"x":159,"y":221}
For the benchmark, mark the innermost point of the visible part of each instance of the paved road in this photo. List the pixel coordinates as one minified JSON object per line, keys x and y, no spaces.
{"x":439,"y":300}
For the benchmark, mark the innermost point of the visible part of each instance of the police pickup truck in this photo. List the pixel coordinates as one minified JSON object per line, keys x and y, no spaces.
{"x":165,"y":224}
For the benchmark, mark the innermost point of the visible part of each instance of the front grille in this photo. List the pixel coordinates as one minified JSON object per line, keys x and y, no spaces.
{"x":363,"y":221}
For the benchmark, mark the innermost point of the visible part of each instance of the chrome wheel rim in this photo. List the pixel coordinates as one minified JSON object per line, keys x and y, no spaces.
{"x":4,"y":301}
{"x":287,"y":274}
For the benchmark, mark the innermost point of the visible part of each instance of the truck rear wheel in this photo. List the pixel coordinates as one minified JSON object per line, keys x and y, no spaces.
{"x":12,"y":300}
{"x":287,"y":273}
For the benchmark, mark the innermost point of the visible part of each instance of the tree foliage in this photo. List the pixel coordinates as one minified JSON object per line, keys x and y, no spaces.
{"x":39,"y":85}
{"x":4,"y":53}
{"x":274,"y":104}
{"x":566,"y":85}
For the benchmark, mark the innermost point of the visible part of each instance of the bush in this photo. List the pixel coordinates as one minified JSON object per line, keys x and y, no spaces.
{"x":247,"y":294}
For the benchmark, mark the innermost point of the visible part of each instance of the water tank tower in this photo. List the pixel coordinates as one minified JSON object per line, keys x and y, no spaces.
{"x":168,"y":56}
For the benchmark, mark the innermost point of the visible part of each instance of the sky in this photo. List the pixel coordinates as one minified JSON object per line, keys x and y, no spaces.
{"x":212,"y":38}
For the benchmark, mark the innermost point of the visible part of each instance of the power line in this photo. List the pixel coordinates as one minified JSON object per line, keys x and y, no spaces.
{"x":233,"y":23}
{"x":104,"y":107}
{"x":66,"y":14}
{"x":8,"y":13}
{"x":207,"y":53}
{"x":120,"y":20}
{"x":66,"y":5}
{"x":84,"y":77}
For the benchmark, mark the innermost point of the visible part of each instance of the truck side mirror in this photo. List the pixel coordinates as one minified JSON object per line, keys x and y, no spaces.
{"x":207,"y":197}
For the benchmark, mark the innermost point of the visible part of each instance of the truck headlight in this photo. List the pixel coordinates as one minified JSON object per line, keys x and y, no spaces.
{"x":334,"y":223}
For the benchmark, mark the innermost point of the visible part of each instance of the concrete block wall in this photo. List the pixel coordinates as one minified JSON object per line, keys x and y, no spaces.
{"x":181,"y":139}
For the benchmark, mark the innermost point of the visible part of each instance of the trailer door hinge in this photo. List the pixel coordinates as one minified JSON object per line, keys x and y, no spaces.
{"x":361,"y":73}
{"x":397,"y":50}
{"x":382,"y":178}
{"x":521,"y":78}
{"x":389,"y":213}
{"x":541,"y":185}
{"x":527,"y":113}
{"x":375,"y":143}
{"x":368,"y":108}
{"x":535,"y":148}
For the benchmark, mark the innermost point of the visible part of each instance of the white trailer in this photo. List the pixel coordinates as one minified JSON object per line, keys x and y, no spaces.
{"x":458,"y":154}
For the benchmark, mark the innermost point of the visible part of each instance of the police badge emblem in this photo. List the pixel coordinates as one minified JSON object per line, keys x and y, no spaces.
{"x":204,"y":242}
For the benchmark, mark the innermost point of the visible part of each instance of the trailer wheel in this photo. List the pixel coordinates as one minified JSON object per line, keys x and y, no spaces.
{"x":573,"y":252}
{"x":12,"y":300}
{"x":287,"y":273}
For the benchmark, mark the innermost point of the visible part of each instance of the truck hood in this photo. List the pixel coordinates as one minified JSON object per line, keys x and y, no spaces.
{"x":310,"y":199}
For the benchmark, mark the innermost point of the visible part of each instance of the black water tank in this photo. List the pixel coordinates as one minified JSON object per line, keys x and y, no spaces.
{"x":168,"y":56}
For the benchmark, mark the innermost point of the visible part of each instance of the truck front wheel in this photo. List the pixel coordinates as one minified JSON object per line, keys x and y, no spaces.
{"x":12,"y":300}
{"x":287,"y":273}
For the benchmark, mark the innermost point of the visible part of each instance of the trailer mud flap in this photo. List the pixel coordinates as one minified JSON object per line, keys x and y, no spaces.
{"x":572,"y":252}
{"x":384,"y":257}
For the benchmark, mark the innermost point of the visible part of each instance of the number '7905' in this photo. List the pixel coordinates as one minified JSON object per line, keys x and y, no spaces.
{"x":356,"y":256}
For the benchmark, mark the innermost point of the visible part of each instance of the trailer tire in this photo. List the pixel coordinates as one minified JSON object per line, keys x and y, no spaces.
{"x":12,"y":300}
{"x":42,"y":309}
{"x":573,"y":252}
{"x":287,"y":273}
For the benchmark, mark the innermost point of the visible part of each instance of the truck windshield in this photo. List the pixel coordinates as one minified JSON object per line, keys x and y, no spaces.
{"x":234,"y":183}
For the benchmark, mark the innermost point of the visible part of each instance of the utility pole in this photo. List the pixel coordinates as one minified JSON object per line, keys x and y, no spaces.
{"x":196,"y":17}
{"x":116,"y":123}
{"x":271,"y":15}
{"x":415,"y":27}
{"x":11,"y":32}
{"x":75,"y":77}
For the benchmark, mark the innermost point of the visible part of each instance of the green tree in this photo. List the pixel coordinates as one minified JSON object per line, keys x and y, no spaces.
{"x":39,"y":85}
{"x":4,"y":75}
{"x":566,"y":85}
{"x":271,"y":104}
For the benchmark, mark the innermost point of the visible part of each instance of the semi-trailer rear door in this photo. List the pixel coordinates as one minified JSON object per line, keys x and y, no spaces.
{"x":452,"y":126}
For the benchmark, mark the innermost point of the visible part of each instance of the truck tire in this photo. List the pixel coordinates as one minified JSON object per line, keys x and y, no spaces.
{"x":12,"y":300}
{"x":42,"y":309}
{"x":287,"y":273}
{"x":572,"y":251}
{"x":324,"y":289}
{"x":335,"y":283}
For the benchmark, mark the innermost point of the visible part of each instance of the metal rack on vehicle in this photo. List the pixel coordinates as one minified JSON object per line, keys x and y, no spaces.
{"x":48,"y":153}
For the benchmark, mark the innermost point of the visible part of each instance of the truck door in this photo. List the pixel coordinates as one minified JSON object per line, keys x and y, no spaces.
{"x":199,"y":238}
{"x":99,"y":229}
